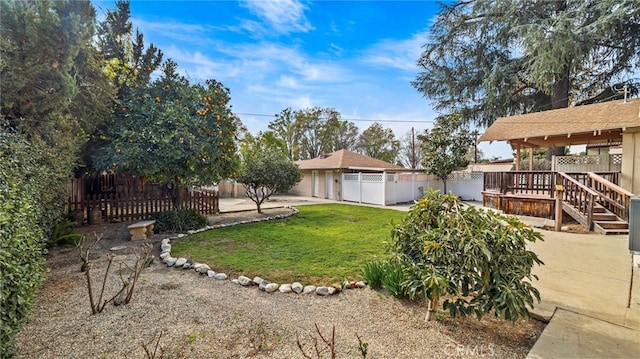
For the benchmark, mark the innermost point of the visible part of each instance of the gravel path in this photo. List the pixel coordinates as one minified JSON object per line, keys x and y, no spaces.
{"x":199,"y":317}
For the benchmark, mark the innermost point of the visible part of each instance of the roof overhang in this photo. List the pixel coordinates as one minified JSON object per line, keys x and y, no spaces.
{"x":579,"y":125}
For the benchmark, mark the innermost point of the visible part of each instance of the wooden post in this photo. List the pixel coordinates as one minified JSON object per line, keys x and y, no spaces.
{"x":518,"y":157}
{"x":559,"y":189}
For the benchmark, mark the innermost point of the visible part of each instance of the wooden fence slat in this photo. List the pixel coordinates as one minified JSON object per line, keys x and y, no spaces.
{"x":127,"y":198}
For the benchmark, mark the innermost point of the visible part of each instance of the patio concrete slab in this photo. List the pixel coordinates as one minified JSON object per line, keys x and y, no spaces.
{"x":573,"y":335}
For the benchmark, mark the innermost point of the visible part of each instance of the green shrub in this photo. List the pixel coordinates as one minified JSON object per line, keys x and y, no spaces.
{"x":179,"y":220}
{"x":394,"y":280}
{"x":373,"y":273}
{"x":62,"y":233}
{"x":477,"y":259}
{"x":21,"y":239}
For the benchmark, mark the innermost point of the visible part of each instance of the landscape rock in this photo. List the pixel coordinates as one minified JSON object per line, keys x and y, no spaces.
{"x":181,"y":235}
{"x":296,"y":287}
{"x":332,"y":290}
{"x":181,"y":261}
{"x":165,"y":247}
{"x":117,"y":248}
{"x":257,"y":280}
{"x":285,"y":288}
{"x":361,"y":284}
{"x":211,"y":274}
{"x":203,"y":269}
{"x":235,"y":281}
{"x":165,"y":241}
{"x":263,"y":285}
{"x":309,"y":289}
{"x":164,"y":255}
{"x":244,"y":281}
{"x":323,"y":291}
{"x":271,"y":287}
{"x":221,"y":276}
{"x":186,"y":265}
{"x":171,"y":261}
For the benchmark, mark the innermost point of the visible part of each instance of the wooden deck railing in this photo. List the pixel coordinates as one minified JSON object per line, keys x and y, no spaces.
{"x":520,"y":182}
{"x":579,"y":199}
{"x":612,"y":197}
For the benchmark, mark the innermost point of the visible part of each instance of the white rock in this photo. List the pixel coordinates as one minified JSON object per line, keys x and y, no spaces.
{"x":271,"y":287}
{"x":296,"y":287}
{"x":165,"y":247}
{"x":361,"y":284}
{"x":166,"y":259}
{"x":221,"y":276}
{"x":203,"y":269}
{"x":285,"y":288}
{"x":322,"y":291}
{"x":211,"y":273}
{"x":332,"y":290}
{"x":180,"y":262}
{"x":187,"y":265}
{"x":309,"y":289}
{"x":191,"y":231}
{"x":171,"y":261}
{"x":165,"y":241}
{"x":164,"y":255}
{"x":257,"y":280}
{"x":244,"y":281}
{"x":181,"y":235}
{"x":235,"y":281}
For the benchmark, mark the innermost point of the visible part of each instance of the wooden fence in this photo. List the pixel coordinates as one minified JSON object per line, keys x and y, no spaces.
{"x":122,"y":198}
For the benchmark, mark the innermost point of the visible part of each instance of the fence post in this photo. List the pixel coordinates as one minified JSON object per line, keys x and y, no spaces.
{"x":558,"y":224}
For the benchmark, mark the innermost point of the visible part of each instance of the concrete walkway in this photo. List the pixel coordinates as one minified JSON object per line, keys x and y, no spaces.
{"x":585,"y":286}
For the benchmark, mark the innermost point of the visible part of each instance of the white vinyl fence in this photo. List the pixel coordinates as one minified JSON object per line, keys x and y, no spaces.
{"x":392,"y":188}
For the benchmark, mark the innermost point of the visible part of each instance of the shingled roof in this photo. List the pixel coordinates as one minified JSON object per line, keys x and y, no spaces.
{"x":596,"y":123}
{"x":344,"y":159}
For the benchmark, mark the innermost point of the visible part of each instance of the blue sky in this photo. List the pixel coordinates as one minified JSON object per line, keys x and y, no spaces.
{"x":358,"y":57}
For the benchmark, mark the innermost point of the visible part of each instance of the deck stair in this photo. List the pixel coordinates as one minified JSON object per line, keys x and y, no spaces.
{"x":608,"y":213}
{"x":606,"y":222}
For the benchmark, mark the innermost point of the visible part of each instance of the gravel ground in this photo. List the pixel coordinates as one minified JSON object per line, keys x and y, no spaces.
{"x":199,"y":317}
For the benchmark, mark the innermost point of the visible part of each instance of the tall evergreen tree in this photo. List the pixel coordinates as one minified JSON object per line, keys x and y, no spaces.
{"x":491,"y":58}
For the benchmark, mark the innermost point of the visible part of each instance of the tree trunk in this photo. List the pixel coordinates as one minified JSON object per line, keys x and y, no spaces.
{"x":559,"y":99}
{"x":444,"y":181}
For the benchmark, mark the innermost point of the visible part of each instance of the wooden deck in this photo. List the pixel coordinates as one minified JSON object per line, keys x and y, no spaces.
{"x":593,"y":199}
{"x":522,"y":204}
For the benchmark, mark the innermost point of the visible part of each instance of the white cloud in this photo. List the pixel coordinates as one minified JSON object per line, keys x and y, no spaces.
{"x":398,"y":54}
{"x":288,"y":82}
{"x":283,"y":16}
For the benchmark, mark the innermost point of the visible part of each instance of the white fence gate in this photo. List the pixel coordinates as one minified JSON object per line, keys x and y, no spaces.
{"x":385,"y":188}
{"x":393,"y":188}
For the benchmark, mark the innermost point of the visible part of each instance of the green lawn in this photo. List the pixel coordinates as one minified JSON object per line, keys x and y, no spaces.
{"x":322,"y":244}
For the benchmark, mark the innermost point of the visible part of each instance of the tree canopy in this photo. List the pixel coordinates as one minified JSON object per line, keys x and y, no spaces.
{"x":174,"y":132}
{"x":378,"y":142}
{"x":445,"y":148}
{"x":266,"y":171}
{"x":487,"y":59}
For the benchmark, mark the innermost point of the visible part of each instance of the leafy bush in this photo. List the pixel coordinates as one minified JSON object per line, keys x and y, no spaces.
{"x":478,"y":259}
{"x":179,"y":220}
{"x":62,"y":233}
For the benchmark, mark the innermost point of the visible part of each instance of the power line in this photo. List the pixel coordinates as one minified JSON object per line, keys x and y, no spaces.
{"x":345,"y":119}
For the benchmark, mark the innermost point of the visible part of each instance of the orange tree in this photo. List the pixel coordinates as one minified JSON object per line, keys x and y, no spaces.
{"x":173,"y":132}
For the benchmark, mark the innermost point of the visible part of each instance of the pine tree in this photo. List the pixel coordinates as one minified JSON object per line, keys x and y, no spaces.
{"x":487,"y":59}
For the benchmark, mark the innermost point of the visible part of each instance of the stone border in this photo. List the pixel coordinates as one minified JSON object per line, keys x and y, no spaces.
{"x":263,"y":284}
